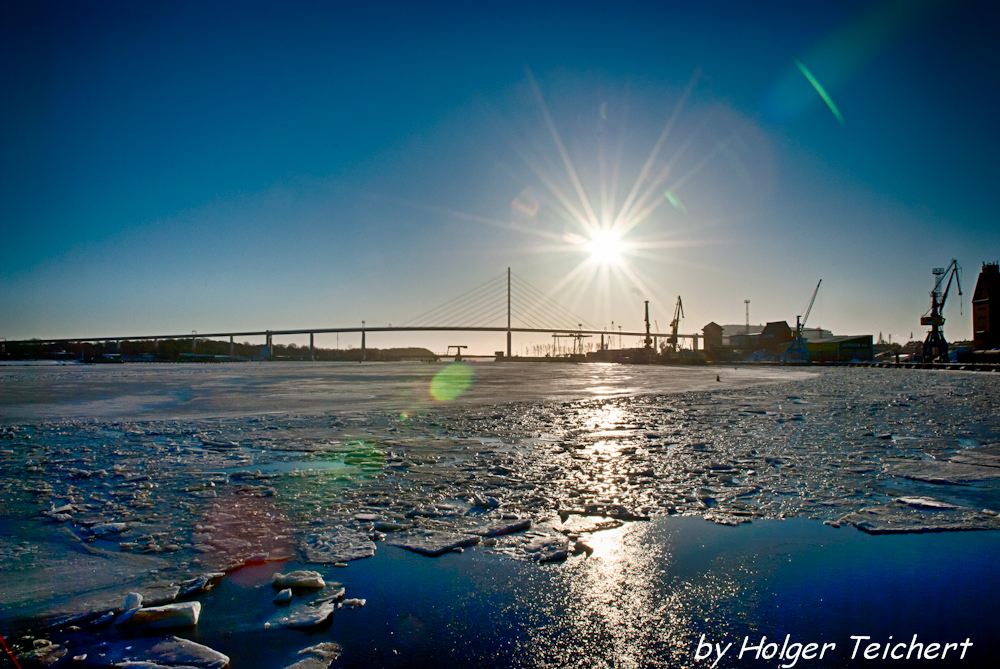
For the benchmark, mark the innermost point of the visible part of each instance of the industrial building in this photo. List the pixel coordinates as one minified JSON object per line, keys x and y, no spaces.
{"x":841,"y":349}
{"x":770,"y":342}
{"x":986,"y":309}
{"x":735,"y":335}
{"x":713,"y":336}
{"x":775,"y":334}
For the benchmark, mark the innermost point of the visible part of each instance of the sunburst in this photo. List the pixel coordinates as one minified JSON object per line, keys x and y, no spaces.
{"x":612,"y":236}
{"x":600,"y":228}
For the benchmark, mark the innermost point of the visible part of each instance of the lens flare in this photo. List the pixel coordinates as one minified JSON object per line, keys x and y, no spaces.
{"x":675,"y":201}
{"x":822,"y":92}
{"x":451,"y":382}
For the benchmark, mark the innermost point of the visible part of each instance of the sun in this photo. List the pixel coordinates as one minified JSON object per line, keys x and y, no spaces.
{"x":606,"y":247}
{"x":611,"y":227}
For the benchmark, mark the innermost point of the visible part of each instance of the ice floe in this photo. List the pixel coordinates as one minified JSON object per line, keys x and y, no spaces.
{"x":432,"y":542}
{"x":181,"y":614}
{"x":298,"y":579}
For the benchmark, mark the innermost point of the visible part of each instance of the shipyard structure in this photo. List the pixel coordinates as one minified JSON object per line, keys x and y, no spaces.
{"x":774,"y":343}
{"x":777,"y":342}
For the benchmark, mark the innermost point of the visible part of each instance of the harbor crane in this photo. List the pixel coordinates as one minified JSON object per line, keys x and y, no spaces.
{"x":801,"y":324}
{"x":935,"y":346}
{"x":798,"y":352}
{"x":675,"y":324}
{"x":648,"y":341}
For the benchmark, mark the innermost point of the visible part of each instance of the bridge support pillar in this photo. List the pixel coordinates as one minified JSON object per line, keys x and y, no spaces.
{"x":270,"y":345}
{"x":362,"y":342}
{"x":312,"y":355}
{"x":508,"y":345}
{"x":696,"y":342}
{"x":231,"y":346}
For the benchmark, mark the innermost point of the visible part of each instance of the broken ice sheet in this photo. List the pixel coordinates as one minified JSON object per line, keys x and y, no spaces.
{"x":918,"y":515}
{"x":309,"y":613}
{"x":954,"y":473}
{"x":337,"y":545}
{"x":432,"y":543}
{"x":192,"y":502}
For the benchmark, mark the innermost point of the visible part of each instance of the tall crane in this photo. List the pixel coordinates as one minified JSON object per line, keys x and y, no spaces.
{"x":675,"y":324}
{"x":797,"y":351}
{"x":935,"y":346}
{"x":801,"y":324}
{"x":648,"y":342}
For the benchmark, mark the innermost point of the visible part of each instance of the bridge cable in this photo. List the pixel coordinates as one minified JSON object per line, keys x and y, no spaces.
{"x":452,"y":303}
{"x":528,"y":314}
{"x":471,"y":312}
{"x":449,"y":312}
{"x":549,"y":303}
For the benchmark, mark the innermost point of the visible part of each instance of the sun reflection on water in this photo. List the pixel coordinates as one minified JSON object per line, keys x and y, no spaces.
{"x":615,"y":592}
{"x":624,"y":602}
{"x":628,"y":605}
{"x":606,"y":417}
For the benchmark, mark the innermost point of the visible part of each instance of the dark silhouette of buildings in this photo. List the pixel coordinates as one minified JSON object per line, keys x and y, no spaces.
{"x":986,"y":309}
{"x":713,"y":336}
{"x":774,"y":334}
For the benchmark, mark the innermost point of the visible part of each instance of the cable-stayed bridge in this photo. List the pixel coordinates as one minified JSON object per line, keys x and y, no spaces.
{"x":504,"y":303}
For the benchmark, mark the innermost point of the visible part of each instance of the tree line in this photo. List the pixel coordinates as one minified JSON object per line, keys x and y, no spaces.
{"x":204,"y":350}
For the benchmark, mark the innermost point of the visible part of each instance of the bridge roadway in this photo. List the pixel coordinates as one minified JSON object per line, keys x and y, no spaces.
{"x":363,"y":330}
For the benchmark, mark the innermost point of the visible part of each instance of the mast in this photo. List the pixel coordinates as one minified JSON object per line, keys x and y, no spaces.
{"x":649,"y":339}
{"x":508,"y":313}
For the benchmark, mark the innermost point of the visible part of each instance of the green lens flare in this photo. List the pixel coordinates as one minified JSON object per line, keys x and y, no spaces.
{"x":675,"y":201}
{"x":822,"y":92}
{"x":451,"y":381}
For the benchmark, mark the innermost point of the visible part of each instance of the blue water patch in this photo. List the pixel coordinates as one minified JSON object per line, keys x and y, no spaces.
{"x":643,"y":599}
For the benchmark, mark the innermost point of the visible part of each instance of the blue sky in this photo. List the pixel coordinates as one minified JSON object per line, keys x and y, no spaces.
{"x":169,"y":167}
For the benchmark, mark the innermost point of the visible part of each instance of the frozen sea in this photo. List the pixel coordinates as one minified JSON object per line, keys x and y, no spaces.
{"x":601,"y":515}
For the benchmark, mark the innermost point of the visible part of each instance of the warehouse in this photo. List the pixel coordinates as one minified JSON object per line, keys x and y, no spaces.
{"x":840,"y":349}
{"x":986,"y":309}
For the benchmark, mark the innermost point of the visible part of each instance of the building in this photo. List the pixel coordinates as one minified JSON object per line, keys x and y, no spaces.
{"x":841,"y":349}
{"x":774,"y":335}
{"x":769,"y":337}
{"x":713,"y":336}
{"x":735,"y":335}
{"x":815,"y":333}
{"x":986,"y":309}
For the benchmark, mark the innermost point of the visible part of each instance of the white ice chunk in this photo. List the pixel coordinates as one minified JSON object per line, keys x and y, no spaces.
{"x":433,"y":543}
{"x":183,"y":614}
{"x":298,"y":579}
{"x":175,"y":651}
{"x":308,"y":616}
